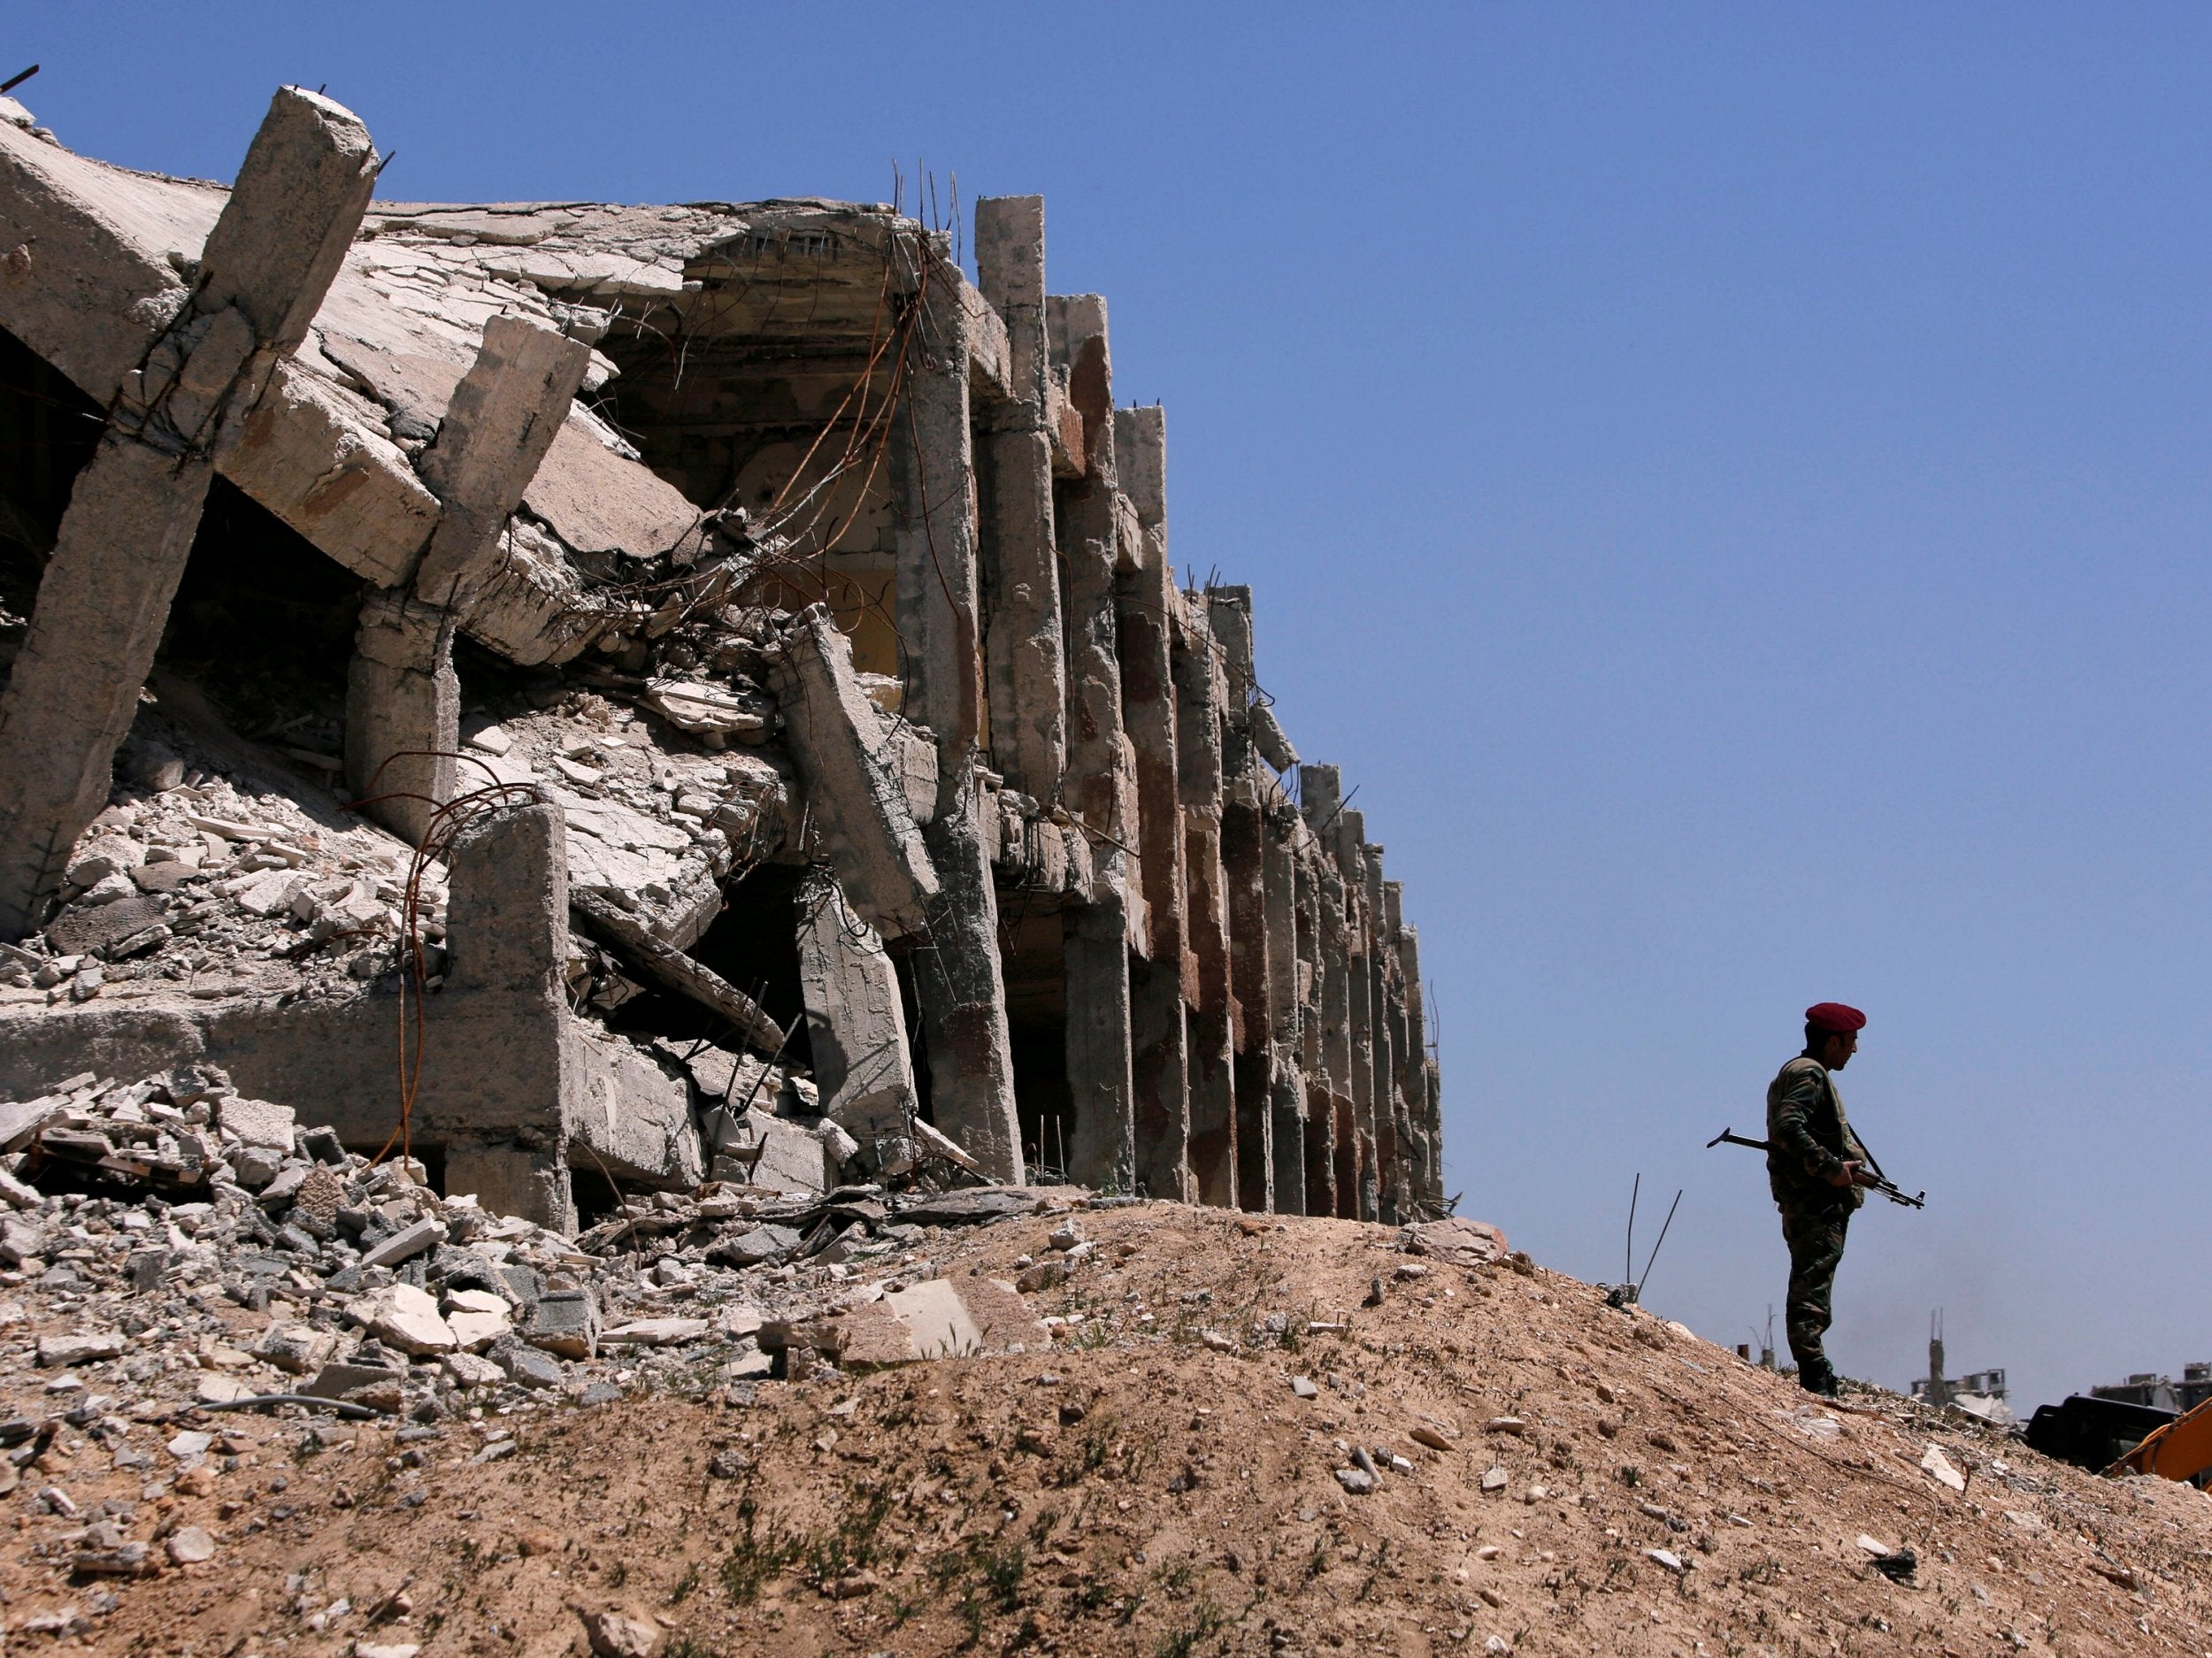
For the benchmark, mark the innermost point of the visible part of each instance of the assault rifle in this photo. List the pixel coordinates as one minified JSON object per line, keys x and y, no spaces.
{"x":1880,"y":1182}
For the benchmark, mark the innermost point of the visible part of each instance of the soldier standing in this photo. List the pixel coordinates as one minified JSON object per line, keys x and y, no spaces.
{"x":1815,"y":1167}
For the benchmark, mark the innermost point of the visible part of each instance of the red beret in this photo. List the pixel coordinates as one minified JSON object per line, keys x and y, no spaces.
{"x":1834,"y":1016}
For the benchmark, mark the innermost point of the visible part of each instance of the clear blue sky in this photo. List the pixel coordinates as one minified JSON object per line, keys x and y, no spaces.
{"x":1728,"y":482}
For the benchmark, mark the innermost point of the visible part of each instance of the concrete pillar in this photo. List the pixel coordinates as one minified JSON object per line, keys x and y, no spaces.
{"x":1102,"y":1151}
{"x":1415,"y":1069}
{"x":1145,"y":601}
{"x":961,"y":986}
{"x":1243,"y":859}
{"x":856,"y":1024}
{"x":932,"y":483}
{"x":1286,"y":1089}
{"x":507,"y":930}
{"x":1096,"y":952}
{"x":1337,"y":969}
{"x":958,"y":979}
{"x":403,"y":714}
{"x":108,"y":582}
{"x":1351,"y":831}
{"x":403,"y":704}
{"x":1229,"y":617}
{"x":1201,"y":693}
{"x":1026,"y":675}
{"x":1320,"y":1136}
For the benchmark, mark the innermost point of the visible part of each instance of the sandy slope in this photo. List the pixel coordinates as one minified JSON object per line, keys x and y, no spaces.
{"x":1139,"y":1491}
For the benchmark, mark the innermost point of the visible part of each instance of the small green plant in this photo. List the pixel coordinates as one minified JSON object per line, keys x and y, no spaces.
{"x":1003,"y":1571}
{"x":1098,"y":1444}
{"x":1180,"y":1643}
{"x":850,"y":1545}
{"x":754,"y":1559}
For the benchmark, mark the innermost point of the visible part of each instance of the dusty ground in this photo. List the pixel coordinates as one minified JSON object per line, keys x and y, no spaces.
{"x":1138,"y":1491}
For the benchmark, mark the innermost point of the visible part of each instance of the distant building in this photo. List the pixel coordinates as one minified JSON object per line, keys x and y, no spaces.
{"x":1979,"y":1393}
{"x":2162,"y":1392}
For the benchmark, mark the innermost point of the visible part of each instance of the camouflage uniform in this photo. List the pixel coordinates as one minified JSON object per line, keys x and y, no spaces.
{"x":1809,"y":1140}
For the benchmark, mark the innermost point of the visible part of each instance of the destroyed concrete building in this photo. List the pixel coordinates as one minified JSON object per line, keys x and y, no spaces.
{"x":636,"y":695}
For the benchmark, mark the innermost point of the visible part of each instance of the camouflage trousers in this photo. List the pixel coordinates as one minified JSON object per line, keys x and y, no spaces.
{"x":1815,"y":1241}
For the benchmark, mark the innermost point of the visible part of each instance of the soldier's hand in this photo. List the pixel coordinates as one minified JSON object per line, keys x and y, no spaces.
{"x":1847,"y":1174}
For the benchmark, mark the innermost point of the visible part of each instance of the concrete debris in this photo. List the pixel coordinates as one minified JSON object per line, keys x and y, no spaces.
{"x":1940,"y":1467}
{"x":568,"y":753}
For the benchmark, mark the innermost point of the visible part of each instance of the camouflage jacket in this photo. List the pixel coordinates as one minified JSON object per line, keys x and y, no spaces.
{"x":1809,"y":1138}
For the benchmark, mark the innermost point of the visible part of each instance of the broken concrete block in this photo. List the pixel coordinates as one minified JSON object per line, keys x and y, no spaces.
{"x":102,"y":858}
{"x":837,"y":737}
{"x":473,"y":1332}
{"x":87,"y":929}
{"x":258,"y":1121}
{"x":872,"y":1337}
{"x":20,"y":1241}
{"x":752,"y":1248}
{"x":1456,"y":1241}
{"x":405,"y":1318}
{"x":790,"y":1158}
{"x":255,"y":1166}
{"x":469,"y":1370}
{"x":526,"y":1367}
{"x":58,"y":1352}
{"x":405,"y":1245}
{"x":566,"y":1322}
{"x":953,"y":1316}
{"x":302,"y":1349}
{"x":655,"y":1332}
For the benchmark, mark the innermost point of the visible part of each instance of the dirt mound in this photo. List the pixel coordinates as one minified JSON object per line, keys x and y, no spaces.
{"x":1226,"y":1450}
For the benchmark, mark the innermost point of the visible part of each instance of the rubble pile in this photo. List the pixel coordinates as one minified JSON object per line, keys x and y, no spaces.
{"x":195,"y":881}
{"x":138,"y":1212}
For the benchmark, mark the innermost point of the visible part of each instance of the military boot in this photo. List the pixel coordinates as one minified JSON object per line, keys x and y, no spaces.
{"x":1817,"y":1378}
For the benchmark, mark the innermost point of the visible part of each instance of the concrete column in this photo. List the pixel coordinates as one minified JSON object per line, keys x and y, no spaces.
{"x":1102,"y":1151}
{"x":961,"y":986}
{"x":1100,"y":1081}
{"x":1026,"y":673}
{"x":1243,"y":858}
{"x":1145,"y":601}
{"x":932,"y":482}
{"x":1201,"y":693}
{"x":1337,"y":966}
{"x":958,"y":979}
{"x":1320,"y":1138}
{"x":1405,"y":1051}
{"x":1286,"y":1102}
{"x":507,"y":928}
{"x":402,"y":702}
{"x":1416,"y":1067}
{"x":134,"y":509}
{"x":856,"y":1024}
{"x":403,"y":714}
{"x":1229,"y":617}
